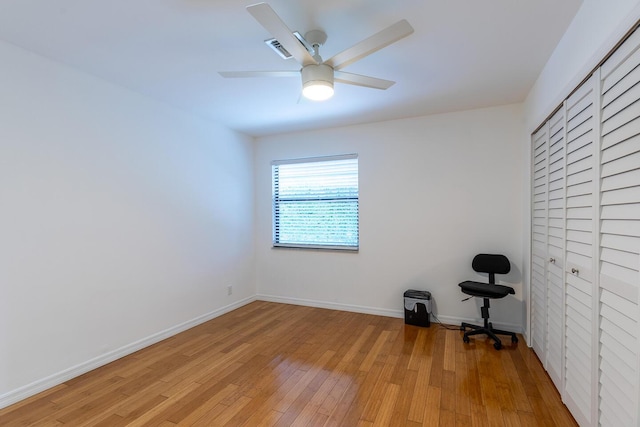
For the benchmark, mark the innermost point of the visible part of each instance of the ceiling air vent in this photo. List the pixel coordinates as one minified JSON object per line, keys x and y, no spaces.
{"x":284,"y":53}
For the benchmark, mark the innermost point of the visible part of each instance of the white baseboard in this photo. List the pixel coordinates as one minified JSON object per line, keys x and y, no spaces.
{"x":332,"y":305}
{"x":43,"y":384}
{"x":454,"y":320}
{"x":450,"y":320}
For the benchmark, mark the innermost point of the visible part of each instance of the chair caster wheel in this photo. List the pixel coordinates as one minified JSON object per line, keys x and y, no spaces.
{"x":514,"y":339}
{"x":465,"y":339}
{"x":497,"y":345}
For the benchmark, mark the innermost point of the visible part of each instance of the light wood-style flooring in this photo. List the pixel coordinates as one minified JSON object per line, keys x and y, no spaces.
{"x":275,"y":364}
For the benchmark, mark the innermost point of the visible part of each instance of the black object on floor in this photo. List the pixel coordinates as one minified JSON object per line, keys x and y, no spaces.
{"x":492,"y":265}
{"x":417,"y":307}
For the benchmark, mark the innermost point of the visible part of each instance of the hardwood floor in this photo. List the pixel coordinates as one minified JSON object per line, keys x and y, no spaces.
{"x":275,"y":364}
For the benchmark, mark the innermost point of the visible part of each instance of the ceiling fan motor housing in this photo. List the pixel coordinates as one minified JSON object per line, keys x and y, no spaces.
{"x":317,"y":81}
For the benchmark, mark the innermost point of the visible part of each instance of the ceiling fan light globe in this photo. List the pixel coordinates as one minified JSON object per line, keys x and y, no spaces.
{"x":317,"y":90}
{"x":317,"y":82}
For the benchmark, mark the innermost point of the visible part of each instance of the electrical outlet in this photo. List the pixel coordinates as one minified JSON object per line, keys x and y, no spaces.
{"x":229,"y":289}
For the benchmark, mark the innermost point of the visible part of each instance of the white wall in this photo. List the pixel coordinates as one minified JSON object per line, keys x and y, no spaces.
{"x":595,"y":30}
{"x":120,"y":220}
{"x":434,"y":191}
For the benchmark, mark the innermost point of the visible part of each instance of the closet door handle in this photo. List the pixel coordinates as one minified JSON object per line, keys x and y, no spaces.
{"x":552,"y":260}
{"x":575,"y":271}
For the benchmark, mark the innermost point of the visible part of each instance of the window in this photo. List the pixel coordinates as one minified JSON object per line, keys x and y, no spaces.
{"x":315,"y":203}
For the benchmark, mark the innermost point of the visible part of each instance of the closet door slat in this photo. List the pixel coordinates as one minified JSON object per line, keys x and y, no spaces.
{"x":555,"y":249}
{"x":539,"y":233}
{"x":619,"y":270}
{"x":578,"y":361}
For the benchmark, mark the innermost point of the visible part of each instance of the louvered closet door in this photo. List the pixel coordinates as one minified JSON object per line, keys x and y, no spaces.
{"x":555,"y":248}
{"x":620,"y":236}
{"x":539,"y":242}
{"x":580,"y":212}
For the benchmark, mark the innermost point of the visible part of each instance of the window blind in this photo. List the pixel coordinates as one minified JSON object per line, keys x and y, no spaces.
{"x":315,"y":203}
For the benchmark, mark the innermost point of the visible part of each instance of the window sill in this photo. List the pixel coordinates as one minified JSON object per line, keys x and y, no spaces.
{"x":318,"y":248}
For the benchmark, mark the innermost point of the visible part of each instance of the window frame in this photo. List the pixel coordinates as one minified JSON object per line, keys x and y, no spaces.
{"x":275,"y":214}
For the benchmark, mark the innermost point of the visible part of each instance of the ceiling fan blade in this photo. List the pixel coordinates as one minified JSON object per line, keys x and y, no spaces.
{"x":360,"y":80}
{"x":267,"y":17}
{"x":243,"y":74}
{"x":371,"y":44}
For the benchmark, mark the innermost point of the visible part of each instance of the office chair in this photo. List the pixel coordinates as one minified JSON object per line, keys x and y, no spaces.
{"x":491,"y":264}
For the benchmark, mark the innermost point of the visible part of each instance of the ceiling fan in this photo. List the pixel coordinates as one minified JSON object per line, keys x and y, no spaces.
{"x":318,"y":75}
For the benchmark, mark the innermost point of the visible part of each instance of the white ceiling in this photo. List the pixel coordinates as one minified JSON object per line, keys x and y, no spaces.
{"x":463,"y":54}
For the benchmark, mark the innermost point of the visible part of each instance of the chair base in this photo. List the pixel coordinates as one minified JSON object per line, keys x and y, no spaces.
{"x":486,"y":329}
{"x":489,"y":331}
